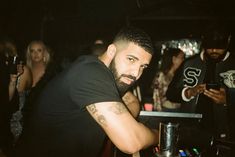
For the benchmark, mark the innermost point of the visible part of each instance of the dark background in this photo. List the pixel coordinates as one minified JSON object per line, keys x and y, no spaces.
{"x":68,"y":22}
{"x":70,"y":26}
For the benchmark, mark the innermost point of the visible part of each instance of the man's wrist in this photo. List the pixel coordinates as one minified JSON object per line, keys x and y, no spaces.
{"x":185,"y":94}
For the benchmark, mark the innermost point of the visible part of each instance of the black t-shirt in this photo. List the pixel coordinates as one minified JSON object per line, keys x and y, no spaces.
{"x":61,"y":125}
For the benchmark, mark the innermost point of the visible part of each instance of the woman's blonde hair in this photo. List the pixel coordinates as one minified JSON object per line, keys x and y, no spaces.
{"x":46,"y":52}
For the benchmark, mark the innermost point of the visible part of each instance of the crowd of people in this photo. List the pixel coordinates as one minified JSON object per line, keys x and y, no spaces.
{"x":205,"y":84}
{"x":170,"y":62}
{"x":21,"y":83}
{"x":53,"y":112}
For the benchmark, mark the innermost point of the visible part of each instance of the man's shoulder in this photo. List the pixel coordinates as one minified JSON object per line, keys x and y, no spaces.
{"x":87,"y":62}
{"x":89,"y":67}
{"x":193,"y":57}
{"x":86,"y":59}
{"x":231,"y":56}
{"x":193,"y":60}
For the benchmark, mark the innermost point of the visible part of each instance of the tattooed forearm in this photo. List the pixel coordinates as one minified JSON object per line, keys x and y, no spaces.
{"x":118,"y":108}
{"x":129,"y":99}
{"x":132,"y":104}
{"x":100,"y":118}
{"x":126,"y":99}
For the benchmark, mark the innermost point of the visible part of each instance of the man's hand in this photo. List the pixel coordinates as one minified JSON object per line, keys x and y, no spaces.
{"x":132,"y":103}
{"x":193,"y":91}
{"x":20,"y":71}
{"x":13,"y":80}
{"x":218,"y":96}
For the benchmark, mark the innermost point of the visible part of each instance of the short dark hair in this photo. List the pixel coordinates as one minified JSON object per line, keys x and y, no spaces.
{"x":217,"y":35}
{"x":137,"y":36}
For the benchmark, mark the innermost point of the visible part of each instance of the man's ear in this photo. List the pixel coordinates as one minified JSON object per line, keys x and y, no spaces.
{"x":109,"y":55}
{"x":111,"y":51}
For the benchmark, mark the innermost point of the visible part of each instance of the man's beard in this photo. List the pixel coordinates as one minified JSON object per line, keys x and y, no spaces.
{"x":122,"y":87}
{"x":214,"y":60}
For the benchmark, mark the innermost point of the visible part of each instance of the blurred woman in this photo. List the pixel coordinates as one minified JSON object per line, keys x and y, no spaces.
{"x":24,"y":81}
{"x":20,"y":80}
{"x":43,"y":68}
{"x":171,"y":60}
{"x":5,"y":132}
{"x":37,"y":59}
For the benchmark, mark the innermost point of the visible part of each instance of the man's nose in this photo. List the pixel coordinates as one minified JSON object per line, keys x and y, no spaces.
{"x":135,"y":72}
{"x":213,"y":50}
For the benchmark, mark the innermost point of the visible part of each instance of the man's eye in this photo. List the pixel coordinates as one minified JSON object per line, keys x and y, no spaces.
{"x":131,"y":59}
{"x":144,"y":66}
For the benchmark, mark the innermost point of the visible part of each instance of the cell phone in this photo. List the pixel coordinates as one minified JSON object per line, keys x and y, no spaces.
{"x":212,"y":86}
{"x":13,"y":62}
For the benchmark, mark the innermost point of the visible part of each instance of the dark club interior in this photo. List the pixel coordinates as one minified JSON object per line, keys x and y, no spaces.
{"x":69,"y":28}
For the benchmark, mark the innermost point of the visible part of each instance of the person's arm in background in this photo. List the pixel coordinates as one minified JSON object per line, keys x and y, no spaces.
{"x":175,"y":87}
{"x":157,"y":96}
{"x":132,"y":103}
{"x":179,"y":93}
{"x":13,"y":81}
{"x":12,"y":86}
{"x":25,"y":81}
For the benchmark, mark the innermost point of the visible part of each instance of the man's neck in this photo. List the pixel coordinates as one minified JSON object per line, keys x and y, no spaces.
{"x":105,"y":59}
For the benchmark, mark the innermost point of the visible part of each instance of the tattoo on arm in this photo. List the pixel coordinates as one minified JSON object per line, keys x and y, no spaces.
{"x":130,"y":100}
{"x":100,"y":118}
{"x":118,"y":108}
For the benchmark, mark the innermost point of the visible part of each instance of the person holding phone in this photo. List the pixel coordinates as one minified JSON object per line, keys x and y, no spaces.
{"x":10,"y":70}
{"x":20,"y":81}
{"x":204,"y":82}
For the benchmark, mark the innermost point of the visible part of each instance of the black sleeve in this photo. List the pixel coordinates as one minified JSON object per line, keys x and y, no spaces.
{"x":230,"y":96}
{"x":175,"y":88}
{"x":231,"y":111}
{"x":95,"y":83}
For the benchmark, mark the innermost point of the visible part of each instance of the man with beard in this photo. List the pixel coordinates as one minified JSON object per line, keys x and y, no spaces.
{"x":205,"y":84}
{"x":86,"y":103}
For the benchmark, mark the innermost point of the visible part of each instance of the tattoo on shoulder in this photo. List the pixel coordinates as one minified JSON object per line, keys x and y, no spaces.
{"x":92,"y":108}
{"x":100,"y":118}
{"x":118,"y":108}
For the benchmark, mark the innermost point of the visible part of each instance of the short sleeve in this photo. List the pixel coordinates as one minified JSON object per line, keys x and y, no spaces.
{"x":95,"y":83}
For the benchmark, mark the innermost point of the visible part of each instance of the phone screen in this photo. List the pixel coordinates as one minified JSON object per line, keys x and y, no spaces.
{"x":212,"y":86}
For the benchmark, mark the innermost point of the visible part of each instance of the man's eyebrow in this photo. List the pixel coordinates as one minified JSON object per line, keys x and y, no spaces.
{"x":133,"y":57}
{"x":136,"y":58}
